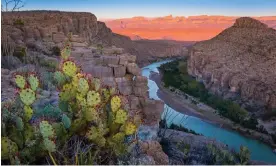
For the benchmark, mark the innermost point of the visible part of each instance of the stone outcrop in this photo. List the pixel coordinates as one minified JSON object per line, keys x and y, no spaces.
{"x":239,"y":64}
{"x":44,"y":30}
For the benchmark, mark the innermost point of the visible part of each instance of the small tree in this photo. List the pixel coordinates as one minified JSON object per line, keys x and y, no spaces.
{"x":12,"y":5}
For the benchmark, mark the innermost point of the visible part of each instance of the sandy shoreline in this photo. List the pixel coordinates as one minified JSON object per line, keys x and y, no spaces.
{"x":178,"y":104}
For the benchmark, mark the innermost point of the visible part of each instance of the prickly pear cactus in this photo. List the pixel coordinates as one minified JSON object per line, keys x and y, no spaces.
{"x":83,"y":86}
{"x":28,"y":113}
{"x":91,"y":114}
{"x":130,"y":128}
{"x":8,"y":147}
{"x":46,"y":129}
{"x":105,"y":94}
{"x":96,"y":136}
{"x":96,"y":83}
{"x":69,"y":68}
{"x":59,"y":77}
{"x":115,"y":103}
{"x":28,"y":132}
{"x":49,"y":145}
{"x":93,"y":98}
{"x":19,"y":123}
{"x":121,"y":116}
{"x":27,"y":96}
{"x":66,"y":121}
{"x":20,"y":81}
{"x":33,"y":81}
{"x":65,"y":53}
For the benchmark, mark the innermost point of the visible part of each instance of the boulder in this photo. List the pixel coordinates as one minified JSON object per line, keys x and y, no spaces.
{"x":154,"y":149}
{"x":58,"y":37}
{"x":152,"y":111}
{"x":100,"y":71}
{"x":108,"y":81}
{"x":110,"y":60}
{"x":123,"y":60}
{"x":133,"y":68}
{"x":134,"y":102}
{"x":124,"y":85}
{"x":119,"y":71}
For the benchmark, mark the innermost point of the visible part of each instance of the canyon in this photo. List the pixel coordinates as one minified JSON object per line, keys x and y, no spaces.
{"x":180,"y":28}
{"x":239,"y":64}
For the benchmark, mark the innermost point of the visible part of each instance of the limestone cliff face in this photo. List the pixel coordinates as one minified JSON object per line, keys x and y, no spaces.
{"x":42,"y":30}
{"x":239,"y":61}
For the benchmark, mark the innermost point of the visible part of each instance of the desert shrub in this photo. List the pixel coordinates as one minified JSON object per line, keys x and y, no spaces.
{"x":56,"y":51}
{"x":100,"y":48}
{"x":89,"y":125}
{"x":20,"y":52}
{"x":18,"y":22}
{"x":219,"y":156}
{"x":244,"y":155}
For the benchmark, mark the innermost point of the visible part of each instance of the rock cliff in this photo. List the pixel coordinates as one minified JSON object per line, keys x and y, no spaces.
{"x":43,"y":30}
{"x":239,"y":63}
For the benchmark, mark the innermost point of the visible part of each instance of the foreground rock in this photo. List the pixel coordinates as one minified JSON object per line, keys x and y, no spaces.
{"x":239,"y":64}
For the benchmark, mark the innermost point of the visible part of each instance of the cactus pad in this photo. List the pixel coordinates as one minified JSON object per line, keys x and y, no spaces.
{"x":121,"y":116}
{"x":27,"y":96}
{"x":130,"y":128}
{"x":91,"y":114}
{"x":115,"y":103}
{"x":93,"y":98}
{"x":119,"y":137}
{"x":96,"y":83}
{"x":69,"y":68}
{"x":20,"y":81}
{"x":28,"y":132}
{"x":19,"y":123}
{"x":46,"y":129}
{"x":33,"y":81}
{"x":83,"y":86}
{"x":92,"y":133}
{"x":65,"y":53}
{"x":105,"y":94}
{"x":28,"y":112}
{"x":59,"y":77}
{"x":49,"y":145}
{"x":7,"y":147}
{"x":81,"y":100}
{"x":66,"y":121}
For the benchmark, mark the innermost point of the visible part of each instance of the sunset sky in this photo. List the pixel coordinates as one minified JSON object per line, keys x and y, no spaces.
{"x":154,"y":8}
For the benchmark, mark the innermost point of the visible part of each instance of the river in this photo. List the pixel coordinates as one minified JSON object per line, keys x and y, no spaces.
{"x":259,"y":151}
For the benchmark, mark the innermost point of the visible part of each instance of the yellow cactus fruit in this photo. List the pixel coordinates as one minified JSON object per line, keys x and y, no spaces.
{"x":27,"y":96}
{"x":8,"y":148}
{"x":83,"y":86}
{"x":28,"y":112}
{"x":130,"y":128}
{"x":93,"y":98}
{"x":20,"y":81}
{"x":91,"y":114}
{"x":115,"y":103}
{"x":69,"y":68}
{"x":121,"y":116}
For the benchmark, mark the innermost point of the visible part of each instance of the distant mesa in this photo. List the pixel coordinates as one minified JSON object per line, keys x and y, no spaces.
{"x":192,"y":28}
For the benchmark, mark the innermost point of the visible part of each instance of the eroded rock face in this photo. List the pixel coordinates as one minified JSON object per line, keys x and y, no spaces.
{"x":42,"y":30}
{"x":240,"y":60}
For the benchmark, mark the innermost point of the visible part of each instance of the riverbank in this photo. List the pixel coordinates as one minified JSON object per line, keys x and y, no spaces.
{"x":182,"y":105}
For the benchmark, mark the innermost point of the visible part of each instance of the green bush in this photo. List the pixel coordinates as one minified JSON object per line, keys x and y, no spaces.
{"x":19,"y":22}
{"x":20,"y":52}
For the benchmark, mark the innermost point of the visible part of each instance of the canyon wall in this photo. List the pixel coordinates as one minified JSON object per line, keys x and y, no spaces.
{"x":239,"y":63}
{"x":43,"y":30}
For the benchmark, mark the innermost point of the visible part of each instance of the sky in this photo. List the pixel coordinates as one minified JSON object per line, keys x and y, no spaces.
{"x":154,"y":8}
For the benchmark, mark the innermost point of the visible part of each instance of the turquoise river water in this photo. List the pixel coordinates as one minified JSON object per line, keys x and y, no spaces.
{"x":259,"y":151}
